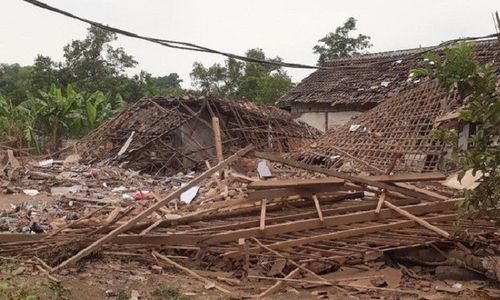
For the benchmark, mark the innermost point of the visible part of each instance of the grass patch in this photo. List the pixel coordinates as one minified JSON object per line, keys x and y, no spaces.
{"x":168,"y":293}
{"x":123,"y":295}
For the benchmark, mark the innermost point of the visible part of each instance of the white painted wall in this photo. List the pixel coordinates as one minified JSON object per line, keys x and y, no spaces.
{"x":315,"y":119}
{"x":335,"y":119}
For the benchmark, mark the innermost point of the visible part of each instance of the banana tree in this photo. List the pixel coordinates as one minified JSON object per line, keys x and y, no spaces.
{"x":16,"y":126}
{"x":55,"y":113}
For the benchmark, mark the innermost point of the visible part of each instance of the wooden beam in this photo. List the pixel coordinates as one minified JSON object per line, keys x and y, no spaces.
{"x":290,"y":191}
{"x":420,"y":221}
{"x":416,"y":189}
{"x":208,"y":283}
{"x":304,"y":183}
{"x":280,"y":284}
{"x":318,"y":208}
{"x":217,"y":139}
{"x":320,"y":182}
{"x":381,"y":200}
{"x":226,"y":211}
{"x":364,"y":206}
{"x":263,"y":215}
{"x":111,"y":235}
{"x":68,"y":225}
{"x":303,"y":225}
{"x":244,"y":248}
{"x":355,"y":179}
{"x":344,"y":234}
{"x":290,"y":260}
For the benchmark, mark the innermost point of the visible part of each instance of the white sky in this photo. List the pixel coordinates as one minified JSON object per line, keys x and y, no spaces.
{"x":288,"y":28}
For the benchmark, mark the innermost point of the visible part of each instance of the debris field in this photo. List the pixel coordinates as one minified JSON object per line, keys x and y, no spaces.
{"x":202,"y":186}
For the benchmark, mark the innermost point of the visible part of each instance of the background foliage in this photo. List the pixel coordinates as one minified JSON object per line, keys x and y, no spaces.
{"x":477,"y":86}
{"x":243,"y":80}
{"x":340,"y":44}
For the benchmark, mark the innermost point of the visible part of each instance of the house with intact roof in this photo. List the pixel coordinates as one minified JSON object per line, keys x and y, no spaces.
{"x":347,"y":87}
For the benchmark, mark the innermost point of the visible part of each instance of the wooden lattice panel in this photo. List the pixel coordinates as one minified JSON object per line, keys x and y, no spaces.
{"x":401,"y":125}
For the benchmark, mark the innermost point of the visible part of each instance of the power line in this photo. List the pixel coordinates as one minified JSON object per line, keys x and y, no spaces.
{"x":171,"y":43}
{"x":193,"y":47}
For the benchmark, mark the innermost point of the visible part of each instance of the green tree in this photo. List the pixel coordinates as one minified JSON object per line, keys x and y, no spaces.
{"x":15,"y":82}
{"x":94,"y":64}
{"x":170,"y":81}
{"x":44,"y":72}
{"x":340,"y":44}
{"x":476,"y":85}
{"x":257,"y":82}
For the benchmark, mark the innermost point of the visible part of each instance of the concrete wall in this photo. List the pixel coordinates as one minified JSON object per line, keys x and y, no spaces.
{"x":315,"y":119}
{"x":336,"y":119}
{"x":318,"y":119}
{"x":315,"y":114}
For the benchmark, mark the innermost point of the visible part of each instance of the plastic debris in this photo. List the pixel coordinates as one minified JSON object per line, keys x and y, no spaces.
{"x":31,"y":192}
{"x":127,"y":197}
{"x":263,"y":169}
{"x":142,"y":195}
{"x":190,"y":194}
{"x":46,"y":163}
{"x":120,"y":189}
{"x":62,"y":190}
{"x":125,"y":146}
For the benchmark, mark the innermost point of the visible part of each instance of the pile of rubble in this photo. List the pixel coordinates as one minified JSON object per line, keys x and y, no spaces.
{"x":254,"y":224}
{"x":167,"y":135}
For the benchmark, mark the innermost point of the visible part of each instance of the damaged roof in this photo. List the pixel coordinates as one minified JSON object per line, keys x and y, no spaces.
{"x":401,"y":125}
{"x":166,"y":135}
{"x":371,"y":78}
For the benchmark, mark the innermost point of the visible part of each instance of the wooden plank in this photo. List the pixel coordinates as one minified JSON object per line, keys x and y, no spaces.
{"x":303,"y":225}
{"x":217,"y":139}
{"x":420,"y":221}
{"x":343,"y":234}
{"x":179,"y":239}
{"x":416,"y":189}
{"x":208,"y":283}
{"x":287,"y":192}
{"x":307,"y":215}
{"x":263,"y":215}
{"x":319,"y":182}
{"x":304,"y":183}
{"x":227,"y":212}
{"x":318,"y":207}
{"x":381,"y":200}
{"x":290,"y":260}
{"x":111,"y":235}
{"x":68,"y":225}
{"x":355,"y":179}
{"x":280,"y":284}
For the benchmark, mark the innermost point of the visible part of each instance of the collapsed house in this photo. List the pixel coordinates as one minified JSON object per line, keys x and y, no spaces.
{"x":330,"y":97}
{"x":165,"y":135}
{"x":398,"y":129}
{"x":243,"y":236}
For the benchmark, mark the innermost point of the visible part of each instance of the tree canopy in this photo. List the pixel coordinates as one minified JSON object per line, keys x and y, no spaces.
{"x":258,"y":82}
{"x":340,"y":44}
{"x":89,"y":65}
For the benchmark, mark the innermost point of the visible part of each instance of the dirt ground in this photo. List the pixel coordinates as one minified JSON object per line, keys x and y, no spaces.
{"x":119,"y":280}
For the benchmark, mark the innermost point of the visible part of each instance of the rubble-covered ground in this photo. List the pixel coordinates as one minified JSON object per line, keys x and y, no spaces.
{"x":46,"y":196}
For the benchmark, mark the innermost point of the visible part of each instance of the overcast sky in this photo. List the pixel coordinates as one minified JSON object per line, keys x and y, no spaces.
{"x":285,"y":28}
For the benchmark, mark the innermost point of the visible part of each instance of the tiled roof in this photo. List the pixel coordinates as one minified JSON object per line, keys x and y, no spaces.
{"x":371,"y":78}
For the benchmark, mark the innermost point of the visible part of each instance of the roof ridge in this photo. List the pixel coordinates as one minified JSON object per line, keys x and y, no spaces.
{"x":403,"y":52}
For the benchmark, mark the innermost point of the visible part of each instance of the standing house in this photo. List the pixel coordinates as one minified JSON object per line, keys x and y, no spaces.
{"x":329,"y":98}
